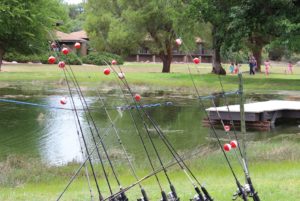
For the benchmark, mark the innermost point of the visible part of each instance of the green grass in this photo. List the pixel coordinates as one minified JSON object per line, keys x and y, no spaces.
{"x":274,"y":163}
{"x":274,"y":166}
{"x":148,"y":77}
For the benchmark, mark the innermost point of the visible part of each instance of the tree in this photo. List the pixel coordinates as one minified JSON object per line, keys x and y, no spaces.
{"x":25,"y":25}
{"x":259,"y":22}
{"x":123,"y":26}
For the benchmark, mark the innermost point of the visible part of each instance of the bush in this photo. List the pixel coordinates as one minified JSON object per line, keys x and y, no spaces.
{"x":71,"y":58}
{"x":101,"y":58}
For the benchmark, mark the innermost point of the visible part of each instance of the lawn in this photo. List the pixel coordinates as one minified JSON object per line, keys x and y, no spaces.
{"x":274,"y":163}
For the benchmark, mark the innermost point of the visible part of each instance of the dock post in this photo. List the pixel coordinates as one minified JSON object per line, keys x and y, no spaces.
{"x":242,"y":113}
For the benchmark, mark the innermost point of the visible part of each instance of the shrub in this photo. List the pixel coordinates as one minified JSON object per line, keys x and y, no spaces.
{"x":101,"y":58}
{"x":71,"y":58}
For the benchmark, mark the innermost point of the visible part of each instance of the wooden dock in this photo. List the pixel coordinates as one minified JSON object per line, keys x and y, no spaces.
{"x":257,"y":115}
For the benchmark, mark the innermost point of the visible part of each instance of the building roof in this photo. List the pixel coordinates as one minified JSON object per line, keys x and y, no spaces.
{"x":71,"y":37}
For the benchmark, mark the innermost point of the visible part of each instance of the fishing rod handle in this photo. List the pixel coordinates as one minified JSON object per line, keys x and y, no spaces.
{"x":255,"y":194}
{"x":208,"y":197}
{"x":145,"y":197}
{"x":201,"y":198}
{"x":173,"y":191}
{"x":164,"y":196}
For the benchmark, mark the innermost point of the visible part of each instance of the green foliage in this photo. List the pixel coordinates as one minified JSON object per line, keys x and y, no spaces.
{"x":25,"y":24}
{"x":101,"y":58}
{"x":71,"y":58}
{"x":21,"y":58}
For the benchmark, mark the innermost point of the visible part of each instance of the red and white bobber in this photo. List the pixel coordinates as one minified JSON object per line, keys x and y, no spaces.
{"x":61,"y":64}
{"x":106,"y":71}
{"x":114,"y":62}
{"x":77,"y":45}
{"x":121,"y":75}
{"x":51,"y":60}
{"x":233,"y":144}
{"x":65,"y":51}
{"x":196,"y":60}
{"x":137,"y":97}
{"x":178,"y":41}
{"x":227,"y":147}
{"x":53,"y":45}
{"x":63,"y":100}
{"x":226,"y":128}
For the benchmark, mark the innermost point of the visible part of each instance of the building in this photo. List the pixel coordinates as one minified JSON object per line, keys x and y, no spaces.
{"x":69,"y":40}
{"x":144,"y":55}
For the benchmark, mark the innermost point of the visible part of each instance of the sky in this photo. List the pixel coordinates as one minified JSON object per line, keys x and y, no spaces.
{"x":73,"y":1}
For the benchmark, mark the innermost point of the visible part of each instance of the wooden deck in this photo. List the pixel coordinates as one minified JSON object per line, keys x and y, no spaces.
{"x":259,"y":113}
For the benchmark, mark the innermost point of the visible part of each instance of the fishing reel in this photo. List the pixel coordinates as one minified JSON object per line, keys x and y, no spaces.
{"x":172,"y":197}
{"x":246,"y":189}
{"x":121,"y":197}
{"x":197,"y":198}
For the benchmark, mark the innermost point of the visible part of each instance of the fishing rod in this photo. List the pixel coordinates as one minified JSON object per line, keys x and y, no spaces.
{"x":251,"y":189}
{"x":61,"y":64}
{"x":240,"y":187}
{"x":166,"y":143}
{"x":83,"y":138}
{"x":88,"y":115}
{"x":133,"y":171}
{"x":88,"y":157}
{"x":164,"y":195}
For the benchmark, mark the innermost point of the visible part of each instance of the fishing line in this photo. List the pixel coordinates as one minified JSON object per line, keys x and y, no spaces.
{"x":119,"y":139}
{"x":83,"y":138}
{"x":78,"y":89}
{"x":88,"y":157}
{"x":169,"y":146}
{"x":164,"y":197}
{"x":215,"y":134}
{"x":92,"y":132}
{"x":243,"y":156}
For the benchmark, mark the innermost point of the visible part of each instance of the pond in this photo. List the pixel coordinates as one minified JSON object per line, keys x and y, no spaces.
{"x":49,"y":131}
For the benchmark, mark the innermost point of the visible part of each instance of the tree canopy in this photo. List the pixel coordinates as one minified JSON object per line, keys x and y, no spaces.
{"x":123,"y":26}
{"x":25,"y":25}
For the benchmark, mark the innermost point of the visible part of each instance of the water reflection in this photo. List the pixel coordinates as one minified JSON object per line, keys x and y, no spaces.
{"x":51,"y":134}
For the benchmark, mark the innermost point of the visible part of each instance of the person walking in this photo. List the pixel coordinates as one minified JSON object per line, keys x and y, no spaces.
{"x":252,"y":65}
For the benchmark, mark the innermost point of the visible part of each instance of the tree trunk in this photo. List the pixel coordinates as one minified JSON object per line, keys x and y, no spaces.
{"x":257,"y":51}
{"x":166,"y":59}
{"x":216,"y":57}
{"x":216,"y":63}
{"x":1,"y":56}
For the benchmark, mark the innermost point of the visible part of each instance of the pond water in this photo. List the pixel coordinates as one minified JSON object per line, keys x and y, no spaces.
{"x":50,"y":132}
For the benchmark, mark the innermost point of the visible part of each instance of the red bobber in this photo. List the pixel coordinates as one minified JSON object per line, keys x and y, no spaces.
{"x":63,"y":101}
{"x":227,"y":128}
{"x":61,"y":64}
{"x":227,"y":147}
{"x":65,"y":51}
{"x":196,"y":60}
{"x":51,"y":60}
{"x":178,"y":41}
{"x":77,"y":45}
{"x":114,"y":62}
{"x":233,"y":144}
{"x":137,"y":97}
{"x":106,"y":71}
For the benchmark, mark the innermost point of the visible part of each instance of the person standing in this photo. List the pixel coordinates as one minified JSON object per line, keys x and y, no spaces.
{"x":267,"y":67}
{"x":290,"y":68}
{"x":231,"y":68}
{"x":252,"y":64}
